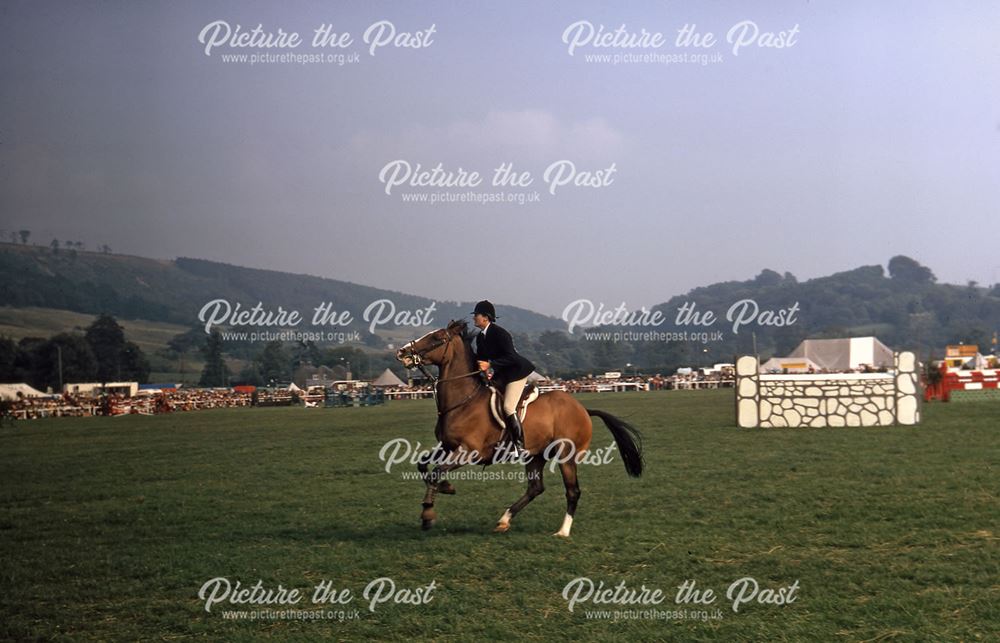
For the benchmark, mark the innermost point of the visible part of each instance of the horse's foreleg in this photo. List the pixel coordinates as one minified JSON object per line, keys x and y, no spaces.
{"x":428,"y":515}
{"x":433,"y":480}
{"x":568,"y":469}
{"x":533,"y":469}
{"x":423,"y":465}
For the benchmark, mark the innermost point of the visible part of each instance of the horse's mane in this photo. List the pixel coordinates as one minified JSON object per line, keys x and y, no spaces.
{"x":461,"y":326}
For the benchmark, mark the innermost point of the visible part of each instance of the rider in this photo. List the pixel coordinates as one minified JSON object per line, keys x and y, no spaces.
{"x":495,"y":349}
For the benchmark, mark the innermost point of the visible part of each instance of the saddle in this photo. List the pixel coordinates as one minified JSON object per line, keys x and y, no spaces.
{"x":529,"y":395}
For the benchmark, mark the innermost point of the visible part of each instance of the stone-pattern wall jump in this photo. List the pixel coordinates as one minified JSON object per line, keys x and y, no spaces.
{"x":840,"y":399}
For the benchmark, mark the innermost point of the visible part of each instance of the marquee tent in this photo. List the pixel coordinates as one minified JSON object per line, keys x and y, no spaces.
{"x":10,"y":391}
{"x":845,"y":354}
{"x":789,"y":364}
{"x":388,"y":378}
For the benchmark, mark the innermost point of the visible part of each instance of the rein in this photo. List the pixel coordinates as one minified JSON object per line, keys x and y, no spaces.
{"x":439,"y":380}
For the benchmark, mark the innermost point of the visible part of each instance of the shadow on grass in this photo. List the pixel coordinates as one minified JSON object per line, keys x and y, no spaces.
{"x":392,"y":532}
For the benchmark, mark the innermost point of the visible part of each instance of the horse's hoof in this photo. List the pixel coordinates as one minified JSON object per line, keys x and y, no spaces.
{"x":501,"y":527}
{"x":446,"y":487}
{"x":561,"y":534}
{"x":427,"y":518}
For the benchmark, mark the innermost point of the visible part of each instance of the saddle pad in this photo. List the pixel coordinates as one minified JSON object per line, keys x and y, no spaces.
{"x":496,"y":404}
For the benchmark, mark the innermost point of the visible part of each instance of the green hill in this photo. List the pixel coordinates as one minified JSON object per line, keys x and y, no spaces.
{"x":45,"y":292}
{"x":131,"y":287}
{"x":905,"y":308}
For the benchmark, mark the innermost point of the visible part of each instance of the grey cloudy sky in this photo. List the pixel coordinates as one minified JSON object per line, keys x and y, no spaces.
{"x":875,"y":134}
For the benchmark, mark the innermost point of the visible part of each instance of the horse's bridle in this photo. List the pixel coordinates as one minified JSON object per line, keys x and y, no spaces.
{"x":416,"y":357}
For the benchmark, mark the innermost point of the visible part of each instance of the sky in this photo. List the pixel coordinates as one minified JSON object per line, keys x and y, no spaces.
{"x":874,"y":131}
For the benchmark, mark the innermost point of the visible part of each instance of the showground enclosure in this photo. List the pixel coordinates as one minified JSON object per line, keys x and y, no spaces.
{"x":110,"y":526}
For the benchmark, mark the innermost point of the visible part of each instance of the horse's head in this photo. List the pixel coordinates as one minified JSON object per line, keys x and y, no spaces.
{"x":433,"y":347}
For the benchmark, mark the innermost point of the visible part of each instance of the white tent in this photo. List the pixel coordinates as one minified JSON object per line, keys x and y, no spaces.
{"x":10,"y":391}
{"x":789,"y":364}
{"x":845,"y":354}
{"x":293,"y":388}
{"x":388,"y":378}
{"x":534,"y":376}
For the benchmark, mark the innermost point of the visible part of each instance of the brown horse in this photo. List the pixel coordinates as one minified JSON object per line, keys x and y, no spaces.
{"x":467,"y":430}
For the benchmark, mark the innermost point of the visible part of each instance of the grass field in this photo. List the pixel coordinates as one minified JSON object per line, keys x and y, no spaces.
{"x":109,"y":527}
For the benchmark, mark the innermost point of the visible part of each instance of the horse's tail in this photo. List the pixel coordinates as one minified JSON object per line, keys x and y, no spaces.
{"x":628,"y":439}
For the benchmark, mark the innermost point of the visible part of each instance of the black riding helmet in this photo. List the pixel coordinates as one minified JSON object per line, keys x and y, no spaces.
{"x":486,"y":308}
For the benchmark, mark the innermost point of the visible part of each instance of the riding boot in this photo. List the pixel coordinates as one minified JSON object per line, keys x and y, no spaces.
{"x":516,"y":432}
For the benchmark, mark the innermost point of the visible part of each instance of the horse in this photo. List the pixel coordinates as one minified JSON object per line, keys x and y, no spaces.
{"x":556,"y":427}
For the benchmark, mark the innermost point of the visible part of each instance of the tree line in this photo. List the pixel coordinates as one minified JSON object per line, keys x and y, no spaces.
{"x":278,"y":363}
{"x":99,"y":354}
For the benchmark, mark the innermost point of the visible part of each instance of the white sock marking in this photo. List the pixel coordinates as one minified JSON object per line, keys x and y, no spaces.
{"x":566,"y":526}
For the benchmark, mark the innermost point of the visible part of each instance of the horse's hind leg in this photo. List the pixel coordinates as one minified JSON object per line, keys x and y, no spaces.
{"x":535,"y":487}
{"x":568,"y":469}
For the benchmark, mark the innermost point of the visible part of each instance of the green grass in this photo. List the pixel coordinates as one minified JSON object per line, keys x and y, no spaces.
{"x":108,"y":527}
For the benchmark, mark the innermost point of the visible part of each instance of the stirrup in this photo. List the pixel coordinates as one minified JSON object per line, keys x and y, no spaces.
{"x":512,"y":453}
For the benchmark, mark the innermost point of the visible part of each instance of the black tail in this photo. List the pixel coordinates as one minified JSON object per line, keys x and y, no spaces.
{"x":628,"y":439}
